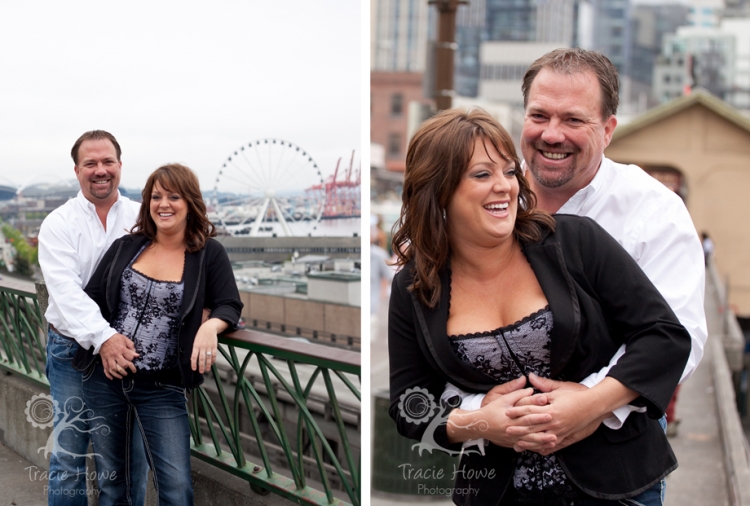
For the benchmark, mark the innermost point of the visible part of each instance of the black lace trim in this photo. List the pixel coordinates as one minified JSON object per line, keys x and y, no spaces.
{"x":512,"y":326}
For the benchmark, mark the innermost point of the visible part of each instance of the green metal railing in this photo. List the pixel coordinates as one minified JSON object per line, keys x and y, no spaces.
{"x":21,"y":347}
{"x":297,"y":460}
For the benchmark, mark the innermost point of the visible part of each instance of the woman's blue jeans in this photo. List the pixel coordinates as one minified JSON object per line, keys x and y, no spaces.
{"x":159,"y":412}
{"x":70,"y":438}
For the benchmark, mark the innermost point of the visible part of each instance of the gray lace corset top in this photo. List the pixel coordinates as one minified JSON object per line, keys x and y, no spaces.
{"x":149,"y":314}
{"x":505,"y":354}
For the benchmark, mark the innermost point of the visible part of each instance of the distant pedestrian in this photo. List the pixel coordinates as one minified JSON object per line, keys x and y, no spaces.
{"x":379,"y":269}
{"x":708,"y":246}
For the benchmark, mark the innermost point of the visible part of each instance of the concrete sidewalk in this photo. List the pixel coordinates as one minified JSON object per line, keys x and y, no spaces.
{"x":21,"y":482}
{"x":700,"y":478}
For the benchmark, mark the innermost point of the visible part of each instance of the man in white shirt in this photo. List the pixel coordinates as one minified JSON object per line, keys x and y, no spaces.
{"x":571,"y":97}
{"x":72,"y":240}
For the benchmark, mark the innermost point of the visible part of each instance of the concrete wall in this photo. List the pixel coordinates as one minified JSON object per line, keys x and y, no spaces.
{"x":212,"y":486}
{"x":329,"y":288}
{"x":713,"y":155}
{"x":308,"y":315}
{"x":272,"y":249}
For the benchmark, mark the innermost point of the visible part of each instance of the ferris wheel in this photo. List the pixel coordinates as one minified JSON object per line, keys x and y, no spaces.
{"x":269,"y":187}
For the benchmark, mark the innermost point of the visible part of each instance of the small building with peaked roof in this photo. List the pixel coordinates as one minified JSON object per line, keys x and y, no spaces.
{"x":700,"y":147}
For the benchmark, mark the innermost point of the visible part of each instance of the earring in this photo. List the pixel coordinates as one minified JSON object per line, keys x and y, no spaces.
{"x":445,"y":218}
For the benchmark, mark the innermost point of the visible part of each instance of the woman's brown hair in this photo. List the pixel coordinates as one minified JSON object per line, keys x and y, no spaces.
{"x":183,"y":181}
{"x":438,"y":155}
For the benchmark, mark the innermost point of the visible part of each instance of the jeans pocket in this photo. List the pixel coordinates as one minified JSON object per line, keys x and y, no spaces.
{"x":89,"y":372}
{"x":61,"y":348}
{"x":173,"y":388}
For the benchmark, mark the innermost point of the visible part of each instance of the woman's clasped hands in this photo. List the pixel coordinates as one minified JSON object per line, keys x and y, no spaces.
{"x":492,"y":423}
{"x":514,"y":417}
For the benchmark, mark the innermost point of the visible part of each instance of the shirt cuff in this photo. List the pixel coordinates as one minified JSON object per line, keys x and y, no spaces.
{"x":620,"y":415}
{"x":479,"y":443}
{"x":469,"y":402}
{"x":109,"y":332}
{"x":472,"y":402}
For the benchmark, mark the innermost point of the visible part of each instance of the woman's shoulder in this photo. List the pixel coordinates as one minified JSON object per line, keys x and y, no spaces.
{"x":129,"y":240}
{"x":130,"y":237}
{"x":582,"y":233}
{"x":572,"y":224}
{"x":213,"y":246}
{"x":405,"y":276}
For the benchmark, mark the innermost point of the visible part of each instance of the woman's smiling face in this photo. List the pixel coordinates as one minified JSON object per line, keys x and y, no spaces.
{"x":168,"y":210}
{"x":483,"y":208}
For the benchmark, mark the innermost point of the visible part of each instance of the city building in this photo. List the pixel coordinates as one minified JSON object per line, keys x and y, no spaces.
{"x":705,"y":13}
{"x":650,"y":24}
{"x":739,"y":92}
{"x":390,"y":96}
{"x":521,"y":21}
{"x":398,"y":60}
{"x":695,"y":57}
{"x":398,"y":35}
{"x":320,"y":306}
{"x":503,"y":67}
{"x":700,"y":146}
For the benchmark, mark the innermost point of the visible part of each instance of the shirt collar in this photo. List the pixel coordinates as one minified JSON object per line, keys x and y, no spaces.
{"x":576,"y":203}
{"x":87,"y":204}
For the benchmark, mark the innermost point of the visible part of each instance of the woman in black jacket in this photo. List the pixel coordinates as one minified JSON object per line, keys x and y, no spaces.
{"x":152,"y":286}
{"x":493,"y":290}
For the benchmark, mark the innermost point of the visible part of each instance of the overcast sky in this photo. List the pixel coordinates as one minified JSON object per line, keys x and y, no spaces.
{"x":183,"y":81}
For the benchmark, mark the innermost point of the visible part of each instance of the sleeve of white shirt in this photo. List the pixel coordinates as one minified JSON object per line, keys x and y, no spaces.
{"x":669,"y":252}
{"x":469,"y":402}
{"x":61,"y":268}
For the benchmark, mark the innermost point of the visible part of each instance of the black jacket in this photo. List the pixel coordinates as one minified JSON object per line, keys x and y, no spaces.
{"x":209,"y":283}
{"x":599,"y":299}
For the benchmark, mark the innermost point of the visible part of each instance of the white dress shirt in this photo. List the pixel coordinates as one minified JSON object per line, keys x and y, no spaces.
{"x":653,"y":225}
{"x":72,"y":240}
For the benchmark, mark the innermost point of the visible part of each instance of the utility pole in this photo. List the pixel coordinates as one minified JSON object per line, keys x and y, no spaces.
{"x":445,"y":51}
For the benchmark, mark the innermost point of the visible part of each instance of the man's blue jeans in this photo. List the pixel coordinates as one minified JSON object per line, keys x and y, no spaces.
{"x":159,"y":413}
{"x":67,"y":466}
{"x":654,"y":496}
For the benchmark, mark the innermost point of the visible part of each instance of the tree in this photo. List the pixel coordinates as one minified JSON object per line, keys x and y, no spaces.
{"x":26,"y":256}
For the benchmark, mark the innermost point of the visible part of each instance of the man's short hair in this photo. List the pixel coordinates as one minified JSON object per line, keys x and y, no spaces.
{"x":95,"y":135}
{"x":575,"y":61}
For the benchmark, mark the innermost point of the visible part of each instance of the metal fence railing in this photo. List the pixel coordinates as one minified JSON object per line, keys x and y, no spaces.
{"x":22,"y":343}
{"x":280,"y":414}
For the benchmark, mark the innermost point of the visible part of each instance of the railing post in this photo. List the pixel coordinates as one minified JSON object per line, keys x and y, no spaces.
{"x":42,"y":296}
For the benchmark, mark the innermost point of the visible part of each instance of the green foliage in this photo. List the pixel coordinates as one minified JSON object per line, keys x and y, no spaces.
{"x":26,"y":256}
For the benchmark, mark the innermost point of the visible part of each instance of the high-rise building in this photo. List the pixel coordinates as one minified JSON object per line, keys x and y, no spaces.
{"x":604,"y":26}
{"x":398,"y":35}
{"x":739,"y":92}
{"x":470,"y":23}
{"x":542,"y":21}
{"x":398,"y":58}
{"x":601,"y":25}
{"x":696,"y":57}
{"x":705,"y":13}
{"x":650,"y":24}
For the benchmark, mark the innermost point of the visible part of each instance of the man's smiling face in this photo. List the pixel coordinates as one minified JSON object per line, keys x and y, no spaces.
{"x":98,"y":170}
{"x":564,"y":135}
